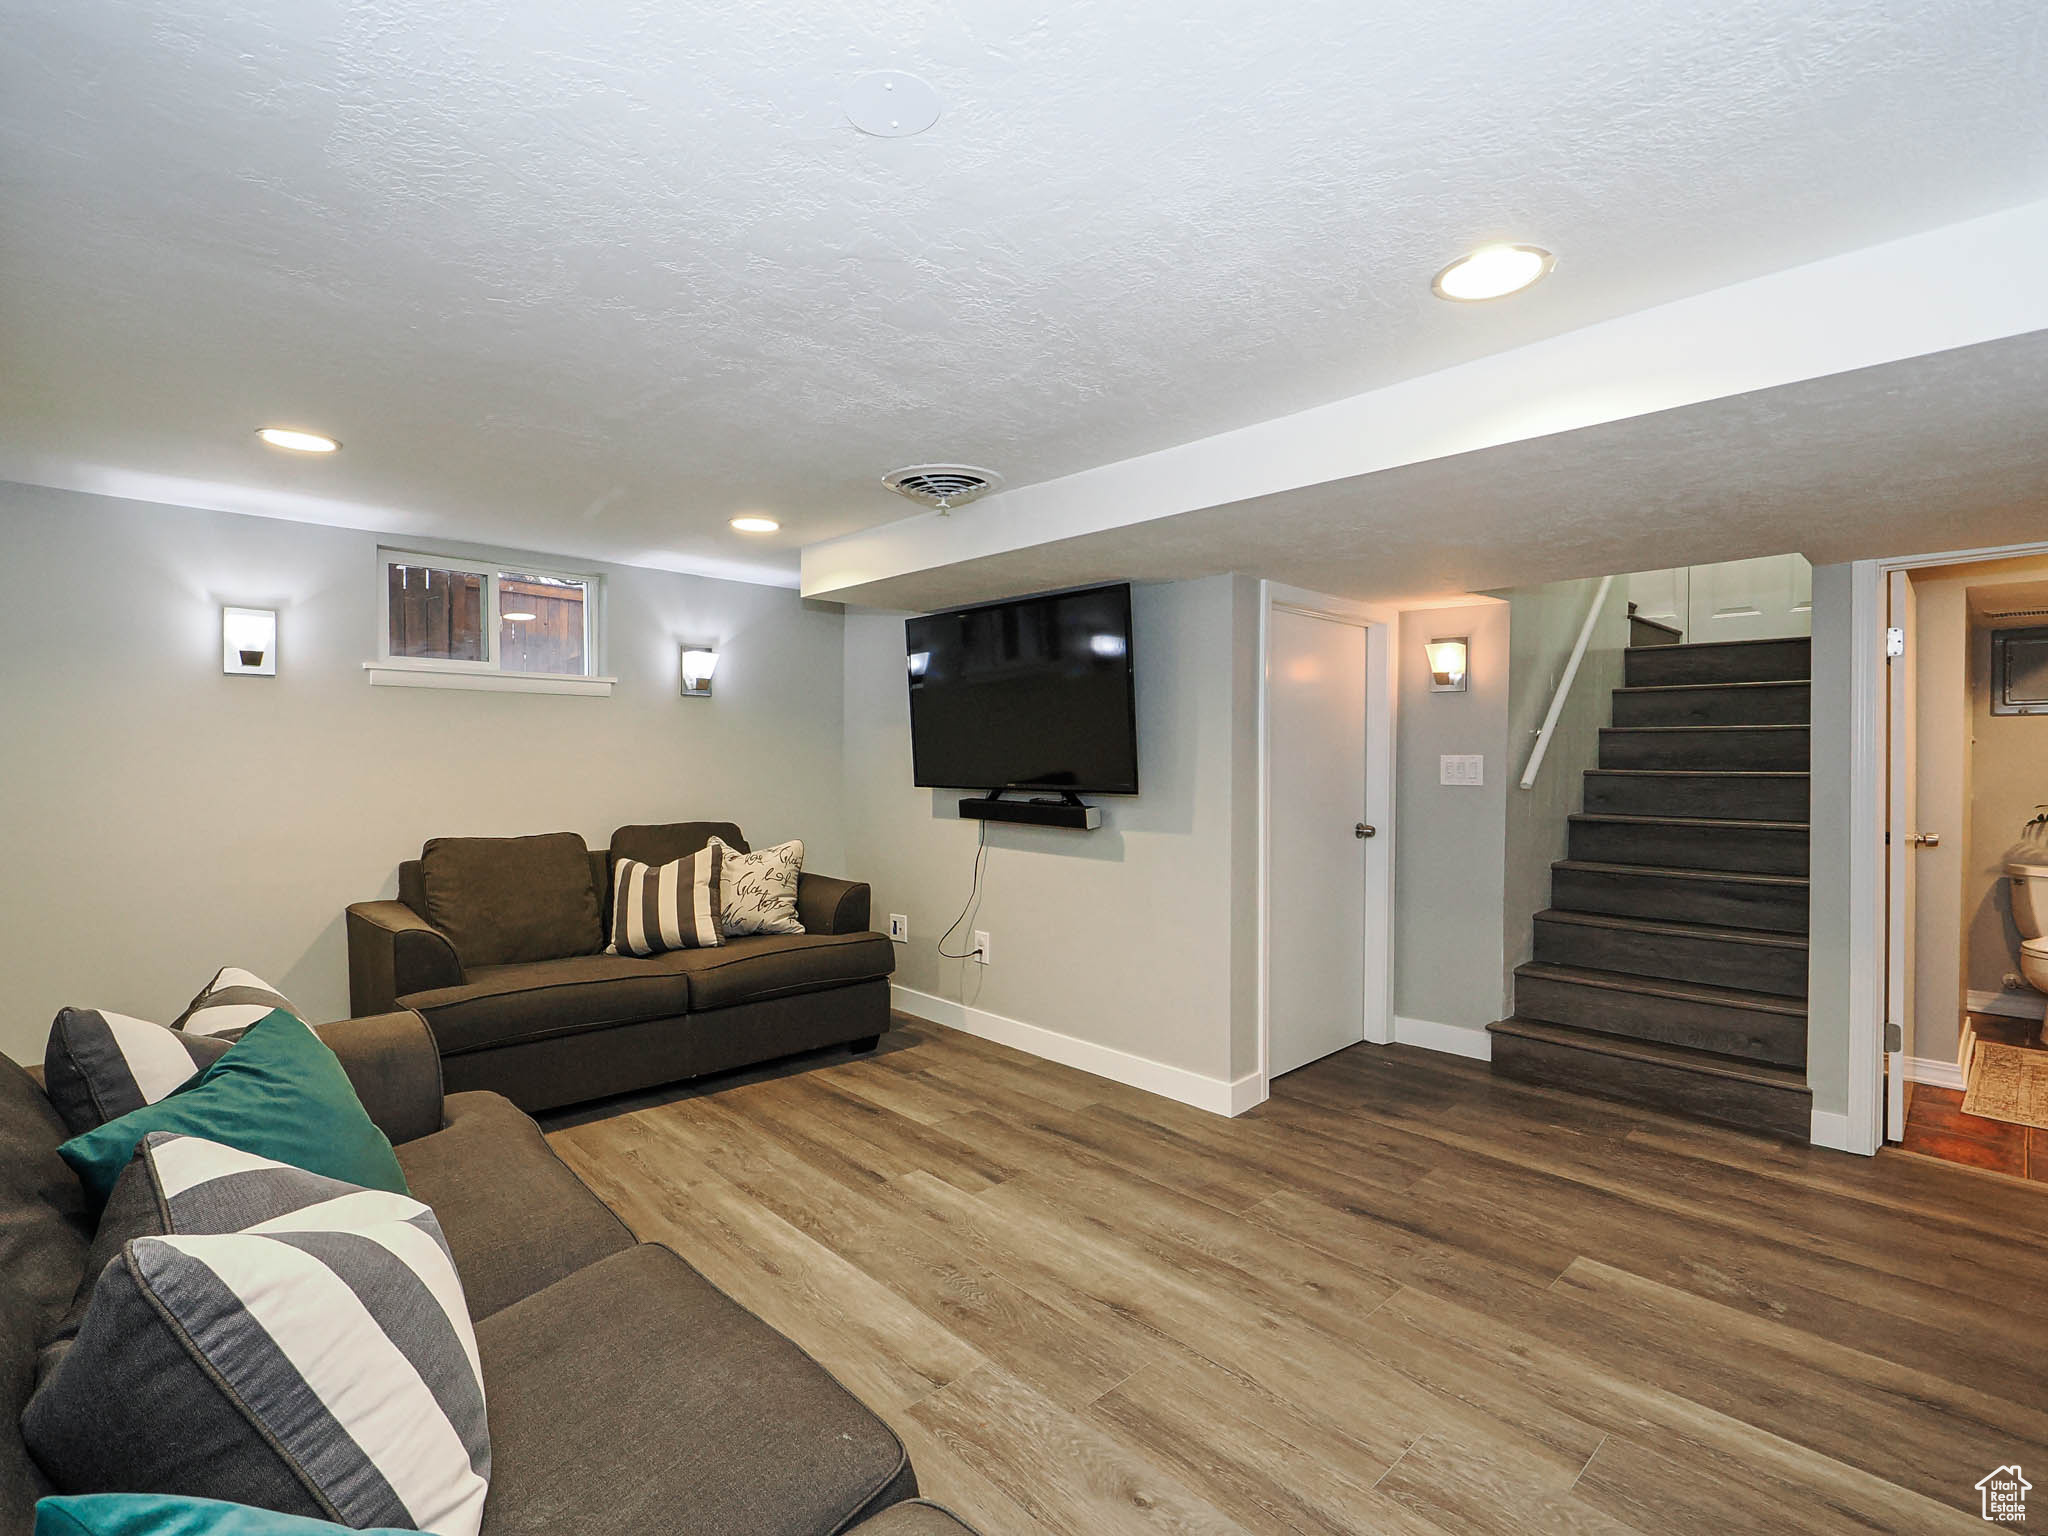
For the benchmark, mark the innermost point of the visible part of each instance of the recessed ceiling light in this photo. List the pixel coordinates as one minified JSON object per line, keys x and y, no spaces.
{"x":1492,"y":272}
{"x":297,"y":441}
{"x":756,"y":524}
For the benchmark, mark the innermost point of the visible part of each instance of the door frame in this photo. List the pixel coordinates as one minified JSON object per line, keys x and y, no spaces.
{"x":1869,"y":764}
{"x":1382,"y":673}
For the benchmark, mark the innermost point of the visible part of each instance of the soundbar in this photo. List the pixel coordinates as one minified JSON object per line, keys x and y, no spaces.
{"x":1063,"y":812}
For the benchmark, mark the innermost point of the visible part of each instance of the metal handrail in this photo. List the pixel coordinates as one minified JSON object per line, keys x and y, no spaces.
{"x":1564,"y":684}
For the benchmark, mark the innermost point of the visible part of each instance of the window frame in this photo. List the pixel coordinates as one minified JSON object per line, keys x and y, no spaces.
{"x":489,"y":674}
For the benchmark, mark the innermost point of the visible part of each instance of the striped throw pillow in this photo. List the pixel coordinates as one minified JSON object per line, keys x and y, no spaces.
{"x":318,"y":1361}
{"x":230,"y":1003}
{"x":660,"y":907}
{"x":99,"y":1065}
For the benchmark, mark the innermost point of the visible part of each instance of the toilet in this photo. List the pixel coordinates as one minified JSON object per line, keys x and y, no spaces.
{"x":2030,"y":914}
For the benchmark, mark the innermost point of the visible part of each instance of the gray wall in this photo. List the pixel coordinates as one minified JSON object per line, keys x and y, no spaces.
{"x":1448,"y":890}
{"x":1544,"y":626}
{"x":1132,"y":937}
{"x":164,"y":820}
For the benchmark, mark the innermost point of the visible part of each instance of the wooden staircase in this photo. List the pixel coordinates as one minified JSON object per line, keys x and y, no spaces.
{"x":1670,"y":967}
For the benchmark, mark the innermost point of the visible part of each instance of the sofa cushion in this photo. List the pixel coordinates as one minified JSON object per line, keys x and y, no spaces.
{"x":500,"y":1003}
{"x":515,"y":1218}
{"x":502,"y":900}
{"x":762,"y":966}
{"x":639,"y":1366}
{"x":170,"y":1514}
{"x":664,"y":842}
{"x":43,"y":1234}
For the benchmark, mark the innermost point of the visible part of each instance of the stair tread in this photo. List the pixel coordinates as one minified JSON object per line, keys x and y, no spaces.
{"x":1767,"y":937}
{"x":1677,"y":1056}
{"x":1635,"y":818}
{"x":1699,"y":773}
{"x":1753,"y":682}
{"x":1659,"y":986}
{"x":1800,"y":726}
{"x":1601,"y":867}
{"x":1722,"y":645}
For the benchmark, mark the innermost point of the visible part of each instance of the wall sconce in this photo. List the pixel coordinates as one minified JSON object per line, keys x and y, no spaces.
{"x":248,"y":642}
{"x":1447,"y":664}
{"x":699,"y":662}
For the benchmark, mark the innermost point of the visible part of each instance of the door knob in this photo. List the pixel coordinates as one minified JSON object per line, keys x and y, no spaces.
{"x":1925,"y":839}
{"x":1365,"y":829}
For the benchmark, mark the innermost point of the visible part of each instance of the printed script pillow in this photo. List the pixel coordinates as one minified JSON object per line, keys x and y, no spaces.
{"x":278,"y":1092}
{"x":660,"y":907}
{"x":230,"y":1003}
{"x":757,"y":892}
{"x":320,"y":1363}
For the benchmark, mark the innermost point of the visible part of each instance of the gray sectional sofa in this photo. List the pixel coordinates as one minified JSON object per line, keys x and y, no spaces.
{"x":627,"y":1395}
{"x":498,"y":943}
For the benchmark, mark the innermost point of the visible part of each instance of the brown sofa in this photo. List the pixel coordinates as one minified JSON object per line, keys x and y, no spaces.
{"x":627,"y":1395}
{"x":498,"y":943}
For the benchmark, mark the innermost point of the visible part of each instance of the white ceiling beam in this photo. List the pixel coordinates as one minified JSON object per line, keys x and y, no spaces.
{"x":1957,"y":286}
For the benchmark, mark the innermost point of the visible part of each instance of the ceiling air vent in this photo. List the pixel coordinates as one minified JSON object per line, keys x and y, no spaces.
{"x":2018,"y":613}
{"x":944,"y":486}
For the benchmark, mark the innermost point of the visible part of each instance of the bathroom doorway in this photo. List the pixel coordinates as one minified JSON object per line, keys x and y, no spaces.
{"x":1967,"y":863}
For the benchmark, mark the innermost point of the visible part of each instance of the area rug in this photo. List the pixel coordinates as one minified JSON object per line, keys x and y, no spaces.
{"x":2009,"y":1084}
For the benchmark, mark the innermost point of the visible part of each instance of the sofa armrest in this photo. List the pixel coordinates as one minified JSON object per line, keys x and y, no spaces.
{"x":825,"y":905}
{"x":393,"y":952}
{"x":395,"y":1068}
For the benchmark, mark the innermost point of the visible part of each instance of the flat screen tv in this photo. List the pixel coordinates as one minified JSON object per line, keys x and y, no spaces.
{"x":1034,"y":693}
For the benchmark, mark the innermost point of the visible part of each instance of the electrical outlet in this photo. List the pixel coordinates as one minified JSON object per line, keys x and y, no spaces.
{"x":899,"y":927}
{"x":981,"y":946}
{"x":1465,"y":770}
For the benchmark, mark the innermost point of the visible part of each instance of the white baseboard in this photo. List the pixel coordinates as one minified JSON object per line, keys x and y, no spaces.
{"x":2010,"y":1005}
{"x":1934,"y":1072}
{"x":1211,"y":1093}
{"x":1829,"y":1130}
{"x":1452,"y":1039}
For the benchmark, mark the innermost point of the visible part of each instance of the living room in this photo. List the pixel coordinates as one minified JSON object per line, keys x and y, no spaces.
{"x":942,"y":716}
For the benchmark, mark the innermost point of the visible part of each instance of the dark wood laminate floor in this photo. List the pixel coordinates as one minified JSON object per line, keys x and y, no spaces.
{"x":1401,"y":1296}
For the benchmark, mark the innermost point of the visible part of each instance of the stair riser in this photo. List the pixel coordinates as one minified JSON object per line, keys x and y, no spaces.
{"x":1728,"y":903}
{"x":1677,"y":957}
{"x":1773,"y":704}
{"x":1753,"y":850}
{"x":1742,"y":799}
{"x":1777,"y":1039}
{"x":1747,"y":1106}
{"x":1656,"y":665}
{"x":1621,"y":747}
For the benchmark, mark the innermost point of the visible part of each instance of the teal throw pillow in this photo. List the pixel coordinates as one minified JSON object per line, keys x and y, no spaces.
{"x":278,"y":1092}
{"x":169,"y":1514}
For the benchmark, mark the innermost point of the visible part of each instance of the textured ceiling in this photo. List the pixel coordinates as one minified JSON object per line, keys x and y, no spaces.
{"x":594,"y":278}
{"x":1945,"y":451}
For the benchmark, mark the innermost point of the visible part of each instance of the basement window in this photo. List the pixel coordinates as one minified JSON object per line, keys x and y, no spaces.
{"x":489,"y":626}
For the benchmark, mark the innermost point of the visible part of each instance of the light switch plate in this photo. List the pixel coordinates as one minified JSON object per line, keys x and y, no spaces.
{"x":1466,"y":770}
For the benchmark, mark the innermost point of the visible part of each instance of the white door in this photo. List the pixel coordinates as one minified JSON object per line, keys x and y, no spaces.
{"x":1315,"y":701}
{"x":1750,"y":599}
{"x":1900,"y":845}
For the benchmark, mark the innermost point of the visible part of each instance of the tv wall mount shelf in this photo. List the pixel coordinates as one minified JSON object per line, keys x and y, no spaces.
{"x":1061,"y":810}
